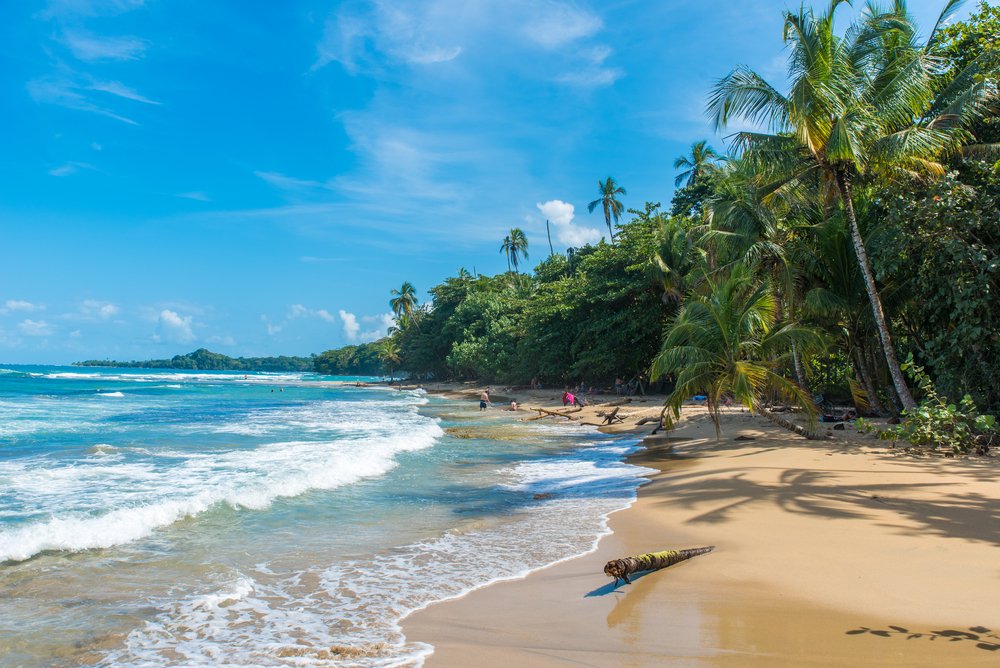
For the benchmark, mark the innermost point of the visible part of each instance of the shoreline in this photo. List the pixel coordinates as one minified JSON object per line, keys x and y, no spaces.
{"x":813,"y":541}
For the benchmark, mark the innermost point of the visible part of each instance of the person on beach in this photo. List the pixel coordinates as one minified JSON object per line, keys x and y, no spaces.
{"x":534,"y":383}
{"x":484,"y":400}
{"x":513,"y":406}
{"x":568,"y":399}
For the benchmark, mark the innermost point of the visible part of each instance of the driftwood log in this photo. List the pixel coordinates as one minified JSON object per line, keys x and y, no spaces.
{"x":611,"y":417}
{"x":620,"y":569}
{"x":544,"y":413}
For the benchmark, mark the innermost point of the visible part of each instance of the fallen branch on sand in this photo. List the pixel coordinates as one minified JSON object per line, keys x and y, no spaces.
{"x":544,"y":413}
{"x":620,"y":569}
{"x":612,"y":417}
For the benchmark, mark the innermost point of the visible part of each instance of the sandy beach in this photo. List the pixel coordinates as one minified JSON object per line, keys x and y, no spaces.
{"x":828,"y":553}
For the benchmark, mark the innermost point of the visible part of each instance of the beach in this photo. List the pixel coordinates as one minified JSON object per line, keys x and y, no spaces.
{"x":833,"y":552}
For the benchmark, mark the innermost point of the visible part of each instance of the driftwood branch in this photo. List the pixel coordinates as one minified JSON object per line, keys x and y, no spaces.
{"x":544,"y":412}
{"x":620,"y":569}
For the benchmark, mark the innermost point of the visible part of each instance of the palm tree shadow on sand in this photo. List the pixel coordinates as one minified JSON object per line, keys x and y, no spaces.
{"x":985,"y":639}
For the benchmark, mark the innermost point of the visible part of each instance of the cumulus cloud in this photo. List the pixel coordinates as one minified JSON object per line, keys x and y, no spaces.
{"x":36,"y":328}
{"x":172,"y":327}
{"x":97,"y":309}
{"x":222,"y":340}
{"x":351,"y":325}
{"x":560,"y":215}
{"x":300,"y":311}
{"x":381,"y":322}
{"x":379,"y":325}
{"x":12,"y":305}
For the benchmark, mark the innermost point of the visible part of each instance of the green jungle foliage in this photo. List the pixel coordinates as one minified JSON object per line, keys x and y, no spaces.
{"x":859,"y":228}
{"x":360,"y":360}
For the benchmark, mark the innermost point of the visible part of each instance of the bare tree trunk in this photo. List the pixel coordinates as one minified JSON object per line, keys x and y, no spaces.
{"x":791,"y":426}
{"x":866,"y":273}
{"x":549,"y":233}
{"x":620,"y":569}
{"x":873,"y":401}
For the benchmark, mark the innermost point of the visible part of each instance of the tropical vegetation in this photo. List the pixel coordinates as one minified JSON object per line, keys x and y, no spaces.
{"x":854,"y":225}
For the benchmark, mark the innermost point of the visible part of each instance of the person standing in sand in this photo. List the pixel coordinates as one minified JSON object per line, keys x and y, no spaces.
{"x":484,"y":399}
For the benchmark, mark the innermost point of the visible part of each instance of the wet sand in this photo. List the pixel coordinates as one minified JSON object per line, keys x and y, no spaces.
{"x":817,"y":541}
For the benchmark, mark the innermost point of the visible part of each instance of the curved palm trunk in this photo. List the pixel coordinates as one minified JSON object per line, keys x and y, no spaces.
{"x":844,"y":185}
{"x":549,"y":234}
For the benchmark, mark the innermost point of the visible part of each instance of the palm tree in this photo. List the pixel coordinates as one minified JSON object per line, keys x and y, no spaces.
{"x":515,"y":246}
{"x":859,"y":104}
{"x":613,"y":208}
{"x":388,"y":352}
{"x":404,"y":303}
{"x":703,"y":159}
{"x":725,"y":342}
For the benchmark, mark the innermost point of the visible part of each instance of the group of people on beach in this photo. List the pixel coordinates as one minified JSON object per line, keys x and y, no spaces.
{"x":484,"y":401}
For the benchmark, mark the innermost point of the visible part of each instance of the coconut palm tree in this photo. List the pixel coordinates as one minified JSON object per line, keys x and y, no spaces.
{"x":726,"y":342}
{"x":515,"y":246}
{"x":404,"y":303}
{"x":388,"y":352}
{"x":859,"y":104}
{"x":613,"y":208}
{"x":703,"y":159}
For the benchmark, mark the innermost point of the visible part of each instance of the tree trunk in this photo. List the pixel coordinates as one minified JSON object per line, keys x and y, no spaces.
{"x":791,"y":426}
{"x":873,"y":401}
{"x":548,"y":232}
{"x":843,"y":183}
{"x":620,"y":569}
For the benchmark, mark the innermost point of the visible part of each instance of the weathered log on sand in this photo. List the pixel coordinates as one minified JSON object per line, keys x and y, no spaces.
{"x":620,"y":569}
{"x":648,"y":420}
{"x":619,"y":402}
{"x":791,"y":426}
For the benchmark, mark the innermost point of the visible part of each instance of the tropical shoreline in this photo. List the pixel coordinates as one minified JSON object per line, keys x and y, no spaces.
{"x":814,"y":540}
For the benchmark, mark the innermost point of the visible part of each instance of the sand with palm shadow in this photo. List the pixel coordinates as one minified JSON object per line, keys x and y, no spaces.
{"x":828,"y":553}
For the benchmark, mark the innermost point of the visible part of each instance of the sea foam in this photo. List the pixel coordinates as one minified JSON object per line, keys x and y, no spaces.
{"x":94,"y":503}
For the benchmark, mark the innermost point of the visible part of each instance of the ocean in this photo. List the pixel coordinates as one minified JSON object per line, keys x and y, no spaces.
{"x":152,"y":518}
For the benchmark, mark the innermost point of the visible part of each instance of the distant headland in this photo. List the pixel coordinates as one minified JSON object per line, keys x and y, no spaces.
{"x":350,"y":360}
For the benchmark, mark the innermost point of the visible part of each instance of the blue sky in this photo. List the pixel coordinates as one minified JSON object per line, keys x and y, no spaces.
{"x":255,"y":177}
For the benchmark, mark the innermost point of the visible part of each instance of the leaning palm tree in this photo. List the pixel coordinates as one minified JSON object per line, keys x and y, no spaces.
{"x":404,"y":303}
{"x":726,"y":342}
{"x":859,"y":104}
{"x":703,"y":159}
{"x":515,"y":246}
{"x":613,"y":208}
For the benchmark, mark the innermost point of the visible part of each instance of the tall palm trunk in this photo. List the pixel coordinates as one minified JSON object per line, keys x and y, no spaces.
{"x":549,"y":233}
{"x":844,"y":185}
{"x":859,"y":365}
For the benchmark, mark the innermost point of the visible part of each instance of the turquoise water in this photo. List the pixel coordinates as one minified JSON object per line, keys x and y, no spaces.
{"x":198,"y":518}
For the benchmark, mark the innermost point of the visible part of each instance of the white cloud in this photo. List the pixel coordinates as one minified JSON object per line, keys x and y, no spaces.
{"x":560,"y":215}
{"x":98,"y":309}
{"x":66,"y":93}
{"x":173,"y":328}
{"x":119,"y":89}
{"x":222,"y":340}
{"x":36,"y":328}
{"x":75,"y":334}
{"x":382,"y":322}
{"x":90,"y":47}
{"x":351,"y":326}
{"x":300,"y":311}
{"x":71,"y":167}
{"x":283,"y":182}
{"x":20,"y":305}
{"x":196,"y":196}
{"x":555,"y":25}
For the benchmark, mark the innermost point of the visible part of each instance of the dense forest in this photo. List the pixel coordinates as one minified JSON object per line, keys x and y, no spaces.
{"x":848,"y":248}
{"x":206,"y":360}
